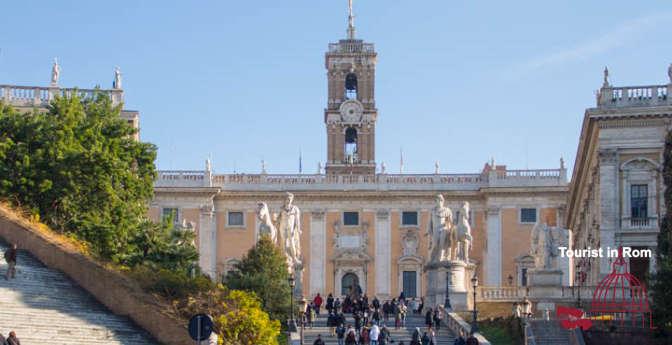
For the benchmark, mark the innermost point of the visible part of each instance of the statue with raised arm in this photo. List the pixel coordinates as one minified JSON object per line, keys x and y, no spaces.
{"x":55,"y":72}
{"x":464,"y":238}
{"x":440,"y":232}
{"x":289,"y":229}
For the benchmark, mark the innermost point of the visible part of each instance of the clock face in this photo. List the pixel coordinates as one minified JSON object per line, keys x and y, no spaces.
{"x":351,"y":111}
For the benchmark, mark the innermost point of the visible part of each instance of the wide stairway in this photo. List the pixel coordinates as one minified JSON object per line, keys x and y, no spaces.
{"x":444,"y":337}
{"x":44,"y":307}
{"x":549,"y":332}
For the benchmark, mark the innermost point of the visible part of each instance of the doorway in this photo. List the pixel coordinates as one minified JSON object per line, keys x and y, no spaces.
{"x":349,"y":280}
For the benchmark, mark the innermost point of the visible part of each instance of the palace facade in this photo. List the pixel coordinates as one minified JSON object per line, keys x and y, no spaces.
{"x":362,"y":224}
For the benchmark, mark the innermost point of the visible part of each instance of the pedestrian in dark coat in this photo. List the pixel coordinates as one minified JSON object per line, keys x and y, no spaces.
{"x":12,"y":339}
{"x":428,"y":317}
{"x":330,"y":303}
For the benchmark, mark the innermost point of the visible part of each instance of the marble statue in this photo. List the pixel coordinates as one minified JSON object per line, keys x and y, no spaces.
{"x":605,"y":82}
{"x":441,"y":232}
{"x":266,"y":226}
{"x":436,"y":167}
{"x":464,"y":238}
{"x":117,"y":78}
{"x":55,"y":72}
{"x":383,"y":167}
{"x":544,"y":244}
{"x":669,"y":73}
{"x":289,"y":229}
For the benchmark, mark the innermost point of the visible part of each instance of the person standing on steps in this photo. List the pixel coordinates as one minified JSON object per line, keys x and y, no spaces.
{"x":332,"y":322}
{"x":10,"y":257}
{"x":13,"y":340}
{"x":340,"y":334}
{"x":330,"y":303}
{"x":3,"y":341}
{"x":429,"y":317}
{"x":317,"y":301}
{"x":374,"y":334}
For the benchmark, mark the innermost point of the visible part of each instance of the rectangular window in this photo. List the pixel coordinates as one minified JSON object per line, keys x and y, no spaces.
{"x":409,"y":218}
{"x":170,"y":214}
{"x":528,"y":215}
{"x":351,"y":218}
{"x":639,"y":194}
{"x":235,"y":218}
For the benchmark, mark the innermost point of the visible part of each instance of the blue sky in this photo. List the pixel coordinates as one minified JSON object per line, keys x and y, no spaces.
{"x":241,"y":81}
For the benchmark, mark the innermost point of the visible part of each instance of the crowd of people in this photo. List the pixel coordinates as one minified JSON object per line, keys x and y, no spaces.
{"x":367,"y":320}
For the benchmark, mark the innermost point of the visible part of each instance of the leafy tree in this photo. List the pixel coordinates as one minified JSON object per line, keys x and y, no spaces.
{"x":661,"y":288}
{"x":77,"y":166}
{"x":263,"y":271}
{"x":245,"y":323}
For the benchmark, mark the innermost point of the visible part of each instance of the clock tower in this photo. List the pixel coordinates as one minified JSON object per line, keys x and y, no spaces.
{"x":350,"y":116}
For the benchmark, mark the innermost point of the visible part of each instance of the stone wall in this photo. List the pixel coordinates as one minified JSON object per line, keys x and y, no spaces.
{"x":117,"y":292}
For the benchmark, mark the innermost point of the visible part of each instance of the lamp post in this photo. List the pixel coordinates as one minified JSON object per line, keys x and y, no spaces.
{"x":510,"y":280}
{"x":474,"y":323}
{"x":291,"y":322}
{"x":446,"y":302}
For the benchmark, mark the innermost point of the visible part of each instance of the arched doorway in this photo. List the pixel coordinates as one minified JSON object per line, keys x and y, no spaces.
{"x":348,"y":280}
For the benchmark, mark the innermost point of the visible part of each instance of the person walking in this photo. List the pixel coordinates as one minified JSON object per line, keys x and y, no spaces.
{"x":319,"y":340}
{"x":10,"y":257}
{"x":358,"y":321}
{"x":386,"y":311}
{"x":437,"y":319}
{"x":317,"y":302}
{"x":340,"y":334}
{"x":310,"y":313}
{"x":330,"y":303}
{"x":384,"y":338}
{"x":415,"y":338}
{"x":374,"y":334}
{"x":429,"y":317}
{"x":3,"y":341}
{"x":12,"y":339}
{"x":350,"y":336}
{"x":404,"y":311}
{"x":332,"y":322}
{"x":425,"y":339}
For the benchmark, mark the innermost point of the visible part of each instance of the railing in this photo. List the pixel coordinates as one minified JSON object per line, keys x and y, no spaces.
{"x":639,"y":223}
{"x":490,"y":293}
{"x":38,"y":96}
{"x":351,"y":46}
{"x":460,"y":327}
{"x":650,"y":95}
{"x":517,"y":293}
{"x":361,"y":182}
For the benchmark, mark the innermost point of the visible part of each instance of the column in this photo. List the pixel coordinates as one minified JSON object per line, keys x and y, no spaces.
{"x":207,"y":241}
{"x":383,"y":254}
{"x":318,"y":253}
{"x":493,"y":252}
{"x":609,"y":204}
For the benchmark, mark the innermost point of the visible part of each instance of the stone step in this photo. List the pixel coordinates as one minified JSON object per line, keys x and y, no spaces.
{"x":44,"y":307}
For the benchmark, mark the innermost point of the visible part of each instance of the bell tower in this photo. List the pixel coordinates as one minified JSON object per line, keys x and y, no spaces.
{"x":350,"y":116}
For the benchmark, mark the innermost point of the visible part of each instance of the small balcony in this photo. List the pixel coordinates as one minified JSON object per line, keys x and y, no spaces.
{"x":636,"y":223}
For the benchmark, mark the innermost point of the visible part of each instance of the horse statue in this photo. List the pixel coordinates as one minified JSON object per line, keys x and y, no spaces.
{"x":266,"y":223}
{"x":464,"y":238}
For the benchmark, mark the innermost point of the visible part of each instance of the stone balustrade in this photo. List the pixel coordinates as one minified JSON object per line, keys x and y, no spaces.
{"x":628,"y":223}
{"x":38,"y":96}
{"x":631,"y":96}
{"x":517,"y":293}
{"x":387,"y":182}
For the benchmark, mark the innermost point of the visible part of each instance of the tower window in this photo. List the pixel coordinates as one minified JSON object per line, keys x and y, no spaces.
{"x":638,"y":201}
{"x":351,"y":86}
{"x":351,"y":145}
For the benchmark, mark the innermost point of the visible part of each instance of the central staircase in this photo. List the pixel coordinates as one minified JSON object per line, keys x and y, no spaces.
{"x":548,"y":332}
{"x":444,"y":337}
{"x":44,"y":307}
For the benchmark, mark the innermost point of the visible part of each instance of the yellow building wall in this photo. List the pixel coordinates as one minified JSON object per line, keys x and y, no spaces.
{"x":396,"y":251}
{"x":233,"y":242}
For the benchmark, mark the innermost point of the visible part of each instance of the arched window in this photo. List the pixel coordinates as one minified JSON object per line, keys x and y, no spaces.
{"x":351,"y":86}
{"x":351,"y":145}
{"x":349,"y":283}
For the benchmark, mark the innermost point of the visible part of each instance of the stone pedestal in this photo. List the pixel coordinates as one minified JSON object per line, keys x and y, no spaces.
{"x":545,"y":282}
{"x":298,"y":280}
{"x":447,"y":275}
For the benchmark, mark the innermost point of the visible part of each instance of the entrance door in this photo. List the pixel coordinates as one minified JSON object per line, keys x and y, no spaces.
{"x":523,"y":277}
{"x":409,"y":284}
{"x":349,"y":280}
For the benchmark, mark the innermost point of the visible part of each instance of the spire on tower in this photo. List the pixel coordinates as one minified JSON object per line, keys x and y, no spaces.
{"x":351,"y":22}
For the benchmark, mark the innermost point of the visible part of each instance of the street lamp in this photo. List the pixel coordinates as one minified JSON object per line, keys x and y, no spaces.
{"x":510,"y":280}
{"x":446,"y":302}
{"x":474,"y":325}
{"x":291,"y":322}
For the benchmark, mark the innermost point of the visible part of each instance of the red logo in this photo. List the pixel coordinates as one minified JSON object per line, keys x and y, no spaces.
{"x":571,"y":318}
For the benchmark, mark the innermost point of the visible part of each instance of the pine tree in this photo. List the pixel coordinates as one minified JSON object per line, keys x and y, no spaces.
{"x":263,"y":271}
{"x":662,"y":287}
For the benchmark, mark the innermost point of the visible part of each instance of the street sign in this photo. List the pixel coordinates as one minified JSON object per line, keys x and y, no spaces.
{"x":200,"y":327}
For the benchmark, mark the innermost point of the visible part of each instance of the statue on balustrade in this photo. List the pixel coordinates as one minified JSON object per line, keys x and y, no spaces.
{"x":117,"y":78}
{"x":464,"y":239}
{"x":55,"y":72}
{"x":441,"y":232}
